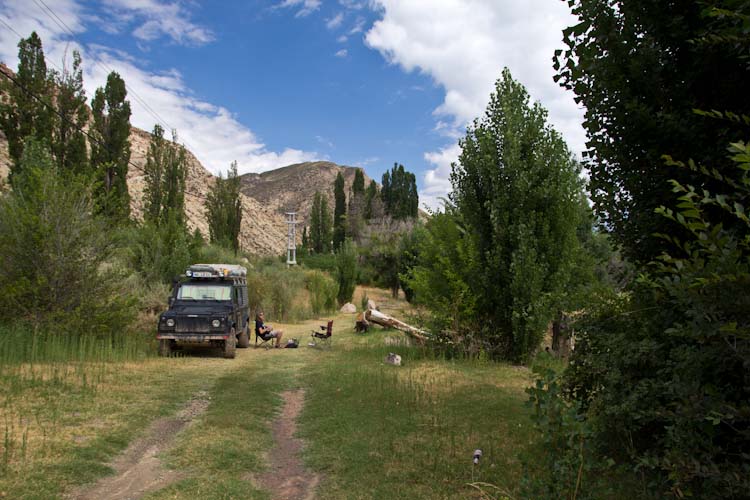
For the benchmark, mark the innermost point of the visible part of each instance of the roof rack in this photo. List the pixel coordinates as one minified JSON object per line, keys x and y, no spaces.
{"x":215,"y":271}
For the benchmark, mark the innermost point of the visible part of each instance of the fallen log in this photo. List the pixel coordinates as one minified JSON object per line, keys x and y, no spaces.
{"x":381,"y":319}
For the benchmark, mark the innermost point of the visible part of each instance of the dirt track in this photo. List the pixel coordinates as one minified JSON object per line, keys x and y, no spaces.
{"x":287,"y":479}
{"x":138,"y":470}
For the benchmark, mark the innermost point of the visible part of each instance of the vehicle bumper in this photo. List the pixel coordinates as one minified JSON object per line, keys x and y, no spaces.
{"x":192,"y":337}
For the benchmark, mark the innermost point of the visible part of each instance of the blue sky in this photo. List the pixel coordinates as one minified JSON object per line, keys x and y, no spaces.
{"x":274,"y":82}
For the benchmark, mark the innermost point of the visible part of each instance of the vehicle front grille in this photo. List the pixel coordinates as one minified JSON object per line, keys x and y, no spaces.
{"x":192,"y":325}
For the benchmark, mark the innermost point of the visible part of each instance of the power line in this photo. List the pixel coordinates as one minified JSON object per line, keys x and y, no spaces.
{"x":56,"y":19}
{"x":80,"y":129}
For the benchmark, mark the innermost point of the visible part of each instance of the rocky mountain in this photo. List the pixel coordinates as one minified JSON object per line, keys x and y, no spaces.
{"x":292,"y":188}
{"x":265,"y":197}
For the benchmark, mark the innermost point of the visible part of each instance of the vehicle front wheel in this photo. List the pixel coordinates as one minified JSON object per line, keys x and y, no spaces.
{"x":230,"y":345}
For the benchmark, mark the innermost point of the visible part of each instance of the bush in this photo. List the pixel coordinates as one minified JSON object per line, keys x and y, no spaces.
{"x":323,"y":292}
{"x":68,"y":284}
{"x":662,"y":372}
{"x":277,"y":290}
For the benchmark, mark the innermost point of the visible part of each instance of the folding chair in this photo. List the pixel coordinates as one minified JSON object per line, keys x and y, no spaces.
{"x":323,"y":336}
{"x":267,"y":343}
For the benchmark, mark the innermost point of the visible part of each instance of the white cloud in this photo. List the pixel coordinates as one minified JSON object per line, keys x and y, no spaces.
{"x":307,"y":7}
{"x":335,"y":21}
{"x":342,"y":39}
{"x":463,"y":46}
{"x":342,"y":53}
{"x":160,"y":19}
{"x":359,"y":26}
{"x":211,"y":132}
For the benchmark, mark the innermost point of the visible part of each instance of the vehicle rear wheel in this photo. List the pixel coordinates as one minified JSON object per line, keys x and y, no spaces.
{"x":230,"y":345}
{"x":165,"y":348}
{"x":243,"y":340}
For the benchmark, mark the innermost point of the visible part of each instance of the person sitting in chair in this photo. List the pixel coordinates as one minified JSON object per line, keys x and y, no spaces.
{"x":267,"y":332}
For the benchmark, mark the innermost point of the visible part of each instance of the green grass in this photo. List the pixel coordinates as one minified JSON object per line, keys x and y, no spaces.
{"x":371,"y":430}
{"x":378,"y":431}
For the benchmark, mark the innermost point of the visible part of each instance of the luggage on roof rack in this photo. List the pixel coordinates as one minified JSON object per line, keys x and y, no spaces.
{"x":215,"y":271}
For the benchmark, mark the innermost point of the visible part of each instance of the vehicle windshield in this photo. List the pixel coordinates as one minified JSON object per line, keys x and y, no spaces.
{"x":204,"y":291}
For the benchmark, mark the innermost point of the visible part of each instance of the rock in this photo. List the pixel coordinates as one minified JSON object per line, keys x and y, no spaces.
{"x":393,"y":359}
{"x":349,"y":308}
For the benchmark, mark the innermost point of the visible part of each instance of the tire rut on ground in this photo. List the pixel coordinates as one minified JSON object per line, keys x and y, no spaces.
{"x":287,"y":478}
{"x":138,"y":470}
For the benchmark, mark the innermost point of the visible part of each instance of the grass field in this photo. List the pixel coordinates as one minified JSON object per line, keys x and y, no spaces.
{"x":371,"y":430}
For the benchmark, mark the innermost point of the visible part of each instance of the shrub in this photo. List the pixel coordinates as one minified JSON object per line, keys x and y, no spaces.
{"x":68,"y":284}
{"x":323,"y":291}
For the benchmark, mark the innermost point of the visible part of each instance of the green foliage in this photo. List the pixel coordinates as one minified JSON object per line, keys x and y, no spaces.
{"x":164,"y":194}
{"x":161,"y":253}
{"x":224,"y":210}
{"x":663,"y":372}
{"x":68,"y":139}
{"x":339,"y":212}
{"x":110,"y":152}
{"x":346,"y":271}
{"x":495,"y":267}
{"x":277,"y":290}
{"x":67,"y":284}
{"x":358,"y":186}
{"x":23,"y":115}
{"x":373,"y":204}
{"x":322,"y":261}
{"x":399,"y":193}
{"x":639,"y":68}
{"x":320,"y":225}
{"x":323,"y":292}
{"x":389,"y":255}
{"x":565,"y":449}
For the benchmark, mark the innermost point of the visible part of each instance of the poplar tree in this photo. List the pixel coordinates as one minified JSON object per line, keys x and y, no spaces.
{"x":165,"y":179}
{"x":399,"y":193}
{"x":496,"y":265}
{"x":358,"y":186}
{"x":315,"y":238}
{"x":339,"y":212}
{"x":110,"y":152}
{"x":68,"y":139}
{"x":24,"y":114}
{"x":224,"y":210}
{"x":326,"y":225}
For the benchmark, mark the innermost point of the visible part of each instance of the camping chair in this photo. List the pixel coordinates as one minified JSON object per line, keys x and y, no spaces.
{"x":323,"y":336}
{"x":267,"y":343}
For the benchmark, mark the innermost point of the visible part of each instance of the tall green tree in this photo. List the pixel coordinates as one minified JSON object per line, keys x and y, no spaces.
{"x":399,"y":193}
{"x":315,"y":237}
{"x":516,"y":192}
{"x":68,"y":139}
{"x":358,"y":186}
{"x":110,"y":152}
{"x":372,"y":200}
{"x":326,"y":226}
{"x":165,"y":173}
{"x":339,"y":212}
{"x":346,"y":271}
{"x":636,"y":68}
{"x":27,"y":110}
{"x":224,"y":210}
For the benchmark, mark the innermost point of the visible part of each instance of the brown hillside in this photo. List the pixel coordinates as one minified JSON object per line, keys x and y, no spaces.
{"x":291,"y":188}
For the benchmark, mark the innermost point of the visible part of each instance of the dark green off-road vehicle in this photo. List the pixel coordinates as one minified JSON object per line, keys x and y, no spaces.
{"x":208,"y":306}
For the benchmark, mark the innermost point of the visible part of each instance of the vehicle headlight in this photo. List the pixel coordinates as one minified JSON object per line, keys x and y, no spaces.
{"x":216,"y":323}
{"x":170,"y":322}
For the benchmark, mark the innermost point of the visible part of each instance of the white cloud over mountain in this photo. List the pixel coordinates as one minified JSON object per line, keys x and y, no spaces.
{"x":211,"y":132}
{"x":463,"y":46}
